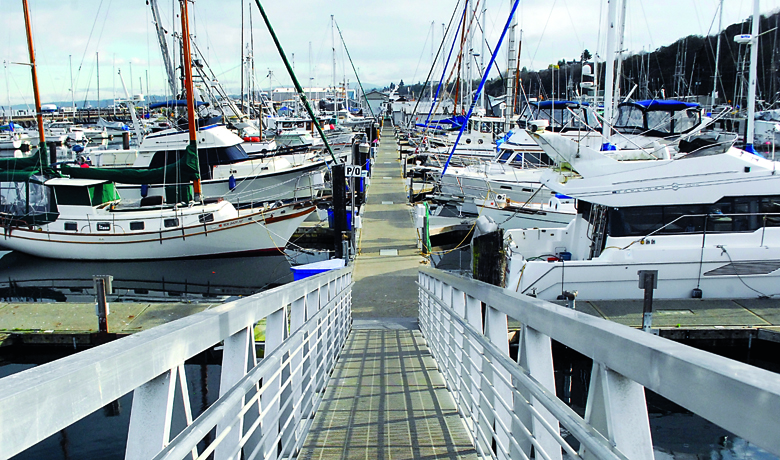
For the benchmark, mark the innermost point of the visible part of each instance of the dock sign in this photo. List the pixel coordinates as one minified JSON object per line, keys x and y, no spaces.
{"x":353,"y":171}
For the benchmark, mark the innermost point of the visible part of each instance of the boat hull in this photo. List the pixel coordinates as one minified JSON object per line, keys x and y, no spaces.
{"x":255,"y":232}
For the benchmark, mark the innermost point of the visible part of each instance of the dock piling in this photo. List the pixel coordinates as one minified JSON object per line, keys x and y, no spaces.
{"x":648,"y":280}
{"x":103,"y":286}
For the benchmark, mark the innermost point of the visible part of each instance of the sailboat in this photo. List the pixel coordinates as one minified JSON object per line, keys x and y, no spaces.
{"x":66,"y":218}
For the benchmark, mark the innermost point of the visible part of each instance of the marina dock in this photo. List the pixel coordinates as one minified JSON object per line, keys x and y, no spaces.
{"x":386,"y":393}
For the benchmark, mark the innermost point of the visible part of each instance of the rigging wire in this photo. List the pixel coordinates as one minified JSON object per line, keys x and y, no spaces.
{"x":441,"y":45}
{"x":549,"y":16}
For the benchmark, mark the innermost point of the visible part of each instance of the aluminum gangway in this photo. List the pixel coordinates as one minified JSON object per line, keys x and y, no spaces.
{"x":507,"y":406}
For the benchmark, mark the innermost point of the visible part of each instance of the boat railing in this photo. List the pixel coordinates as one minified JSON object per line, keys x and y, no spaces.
{"x":509,"y":402}
{"x":266,"y":404}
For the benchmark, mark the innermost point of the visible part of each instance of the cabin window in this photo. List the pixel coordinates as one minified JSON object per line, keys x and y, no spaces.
{"x":136,"y":226}
{"x":103,"y":226}
{"x":168,"y":223}
{"x":71,"y":227}
{"x":685,"y":120}
{"x":660,"y":122}
{"x":204,"y":218}
{"x":505,"y":156}
{"x":468,"y":140}
{"x":630,"y":117}
{"x":730,"y":214}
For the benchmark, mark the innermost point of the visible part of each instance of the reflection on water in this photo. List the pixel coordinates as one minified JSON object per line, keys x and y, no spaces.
{"x":32,"y":279}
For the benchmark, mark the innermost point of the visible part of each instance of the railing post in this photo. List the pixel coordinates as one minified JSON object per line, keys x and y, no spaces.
{"x":478,"y":422}
{"x":497,"y":331}
{"x":290,"y":436}
{"x":322,"y":347}
{"x":238,"y":352}
{"x":155,"y":407}
{"x":275,"y":333}
{"x":445,"y":330}
{"x":457,"y":344}
{"x":150,"y":417}
{"x":617,"y":408}
{"x":535,"y":355}
{"x":309,"y":371}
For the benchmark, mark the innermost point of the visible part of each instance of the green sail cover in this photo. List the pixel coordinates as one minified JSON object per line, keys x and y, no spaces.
{"x":184,"y":170}
{"x":20,"y":169}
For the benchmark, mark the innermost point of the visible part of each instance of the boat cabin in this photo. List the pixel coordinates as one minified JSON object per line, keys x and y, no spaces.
{"x":562,"y":116}
{"x":657,"y":118}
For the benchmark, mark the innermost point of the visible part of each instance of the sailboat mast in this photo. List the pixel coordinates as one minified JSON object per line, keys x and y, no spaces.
{"x":619,"y":52}
{"x":72,"y":97}
{"x":97,"y":67}
{"x":34,"y":71}
{"x":481,"y":58}
{"x":164,"y":48}
{"x":433,"y":63}
{"x":185,"y":32}
{"x":243,"y":63}
{"x":510,"y":77}
{"x":333,"y":47}
{"x":301,"y":93}
{"x":752,"y":75}
{"x":609,"y":75}
{"x":717,"y":56}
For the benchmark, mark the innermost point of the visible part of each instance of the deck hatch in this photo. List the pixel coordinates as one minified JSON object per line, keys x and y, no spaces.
{"x":746,"y":268}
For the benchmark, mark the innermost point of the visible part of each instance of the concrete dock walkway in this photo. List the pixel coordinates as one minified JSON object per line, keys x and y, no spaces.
{"x":388,"y":259}
{"x":386,"y":399}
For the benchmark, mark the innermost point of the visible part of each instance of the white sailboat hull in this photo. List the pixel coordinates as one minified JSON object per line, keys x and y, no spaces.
{"x":255,"y":232}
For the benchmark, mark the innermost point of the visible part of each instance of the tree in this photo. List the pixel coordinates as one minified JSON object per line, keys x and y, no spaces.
{"x":402,"y":88}
{"x":586,"y":56}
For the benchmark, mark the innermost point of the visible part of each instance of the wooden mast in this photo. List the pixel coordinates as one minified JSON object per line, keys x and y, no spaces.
{"x":38,"y":113}
{"x":185,"y":32}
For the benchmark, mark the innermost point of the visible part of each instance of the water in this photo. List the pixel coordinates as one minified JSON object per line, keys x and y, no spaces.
{"x":26,"y":278}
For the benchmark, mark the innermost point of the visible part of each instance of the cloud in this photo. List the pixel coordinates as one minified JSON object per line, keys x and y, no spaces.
{"x":388,"y":41}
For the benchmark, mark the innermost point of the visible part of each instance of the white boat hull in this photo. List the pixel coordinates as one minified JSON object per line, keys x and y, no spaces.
{"x":254,"y":232}
{"x":746,"y":269}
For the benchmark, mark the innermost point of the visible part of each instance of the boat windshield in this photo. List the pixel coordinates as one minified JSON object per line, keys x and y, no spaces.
{"x":562,"y":116}
{"x":14,"y":198}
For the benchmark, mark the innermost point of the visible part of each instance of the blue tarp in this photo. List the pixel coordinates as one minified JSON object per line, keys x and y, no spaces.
{"x":663,"y":104}
{"x":176,"y":103}
{"x":503,"y":139}
{"x":457,"y":120}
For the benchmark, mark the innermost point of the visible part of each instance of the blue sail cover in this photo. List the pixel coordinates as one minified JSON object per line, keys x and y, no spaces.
{"x":456,"y":121}
{"x":663,"y":104}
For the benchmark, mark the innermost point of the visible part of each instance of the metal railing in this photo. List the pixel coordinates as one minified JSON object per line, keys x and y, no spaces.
{"x":511,"y":406}
{"x":265,"y":406}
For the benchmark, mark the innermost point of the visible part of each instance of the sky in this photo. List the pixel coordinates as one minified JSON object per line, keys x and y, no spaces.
{"x":388,"y":41}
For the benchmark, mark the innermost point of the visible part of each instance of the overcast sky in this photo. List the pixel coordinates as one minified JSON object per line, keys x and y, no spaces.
{"x":388,"y":40}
